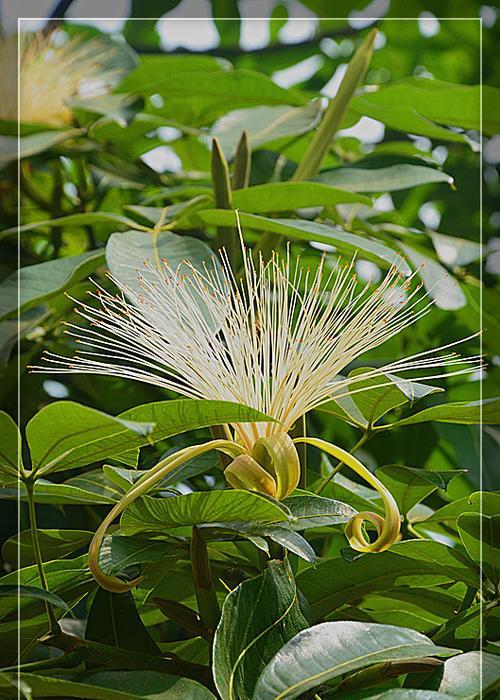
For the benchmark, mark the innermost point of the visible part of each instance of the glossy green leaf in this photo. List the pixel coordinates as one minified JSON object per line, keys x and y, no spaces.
{"x":111,"y":685}
{"x":89,"y":218}
{"x":10,"y":446}
{"x":286,"y":196}
{"x":486,"y":503}
{"x":298,"y":229}
{"x":156,"y":514}
{"x":258,"y":617}
{"x":113,"y":619}
{"x":264,"y":124}
{"x":410,"y":486}
{"x":480,"y":535}
{"x":444,"y":559}
{"x":395,"y":694}
{"x":54,"y":544}
{"x":471,"y":675}
{"x":389,"y":179}
{"x":66,"y":435}
{"x":34,"y":593}
{"x":462,"y":412}
{"x":331,"y":649}
{"x":444,"y":289}
{"x":316,"y":511}
{"x":37,"y":283}
{"x":154,"y":67}
{"x":91,"y":488}
{"x":418,"y":105}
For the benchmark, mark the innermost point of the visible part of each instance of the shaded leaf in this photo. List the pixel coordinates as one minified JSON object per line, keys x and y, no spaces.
{"x":10,"y":446}
{"x":54,"y":544}
{"x":409,"y":486}
{"x":388,"y":179}
{"x":480,"y":535}
{"x":33,"y":592}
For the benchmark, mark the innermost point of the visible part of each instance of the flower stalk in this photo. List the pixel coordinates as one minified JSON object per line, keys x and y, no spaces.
{"x":206,"y":597}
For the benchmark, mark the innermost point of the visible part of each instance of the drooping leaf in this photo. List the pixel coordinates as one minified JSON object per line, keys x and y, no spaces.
{"x":201,"y":507}
{"x":88,"y":218}
{"x":37,"y":283}
{"x":480,"y":535}
{"x":331,"y":649}
{"x":113,"y":619}
{"x":389,"y":179}
{"x":486,"y":411}
{"x":54,"y":544}
{"x":32,"y":144}
{"x":111,"y":685}
{"x":301,"y":230}
{"x":257,"y":618}
{"x":92,"y":488}
{"x":34,"y":593}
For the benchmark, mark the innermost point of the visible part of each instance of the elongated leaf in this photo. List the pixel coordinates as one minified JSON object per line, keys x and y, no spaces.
{"x":444,"y":289}
{"x":10,"y":446}
{"x":486,"y":503}
{"x":153,"y":67}
{"x":417,"y":105}
{"x":54,"y":544}
{"x":88,"y":218}
{"x":453,"y":251}
{"x":264,"y":124}
{"x":118,"y":552}
{"x":65,"y":435}
{"x":111,"y":685}
{"x":444,"y":559}
{"x":462,"y":412}
{"x":89,"y":489}
{"x":388,"y":179}
{"x":480,"y":535}
{"x":113,"y":619}
{"x":286,"y":196}
{"x":471,"y":675}
{"x":32,"y":144}
{"x":34,"y":593}
{"x":347,"y":243}
{"x":332,"y":649}
{"x":410,"y":486}
{"x":316,"y":511}
{"x":155,"y":514}
{"x":257,"y":618}
{"x":37,"y":283}
{"x":396,"y":694}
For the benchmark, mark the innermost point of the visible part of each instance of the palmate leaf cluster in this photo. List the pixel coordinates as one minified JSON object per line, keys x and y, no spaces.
{"x":298,"y":613}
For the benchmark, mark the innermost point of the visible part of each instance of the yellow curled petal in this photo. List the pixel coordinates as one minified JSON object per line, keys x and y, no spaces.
{"x":278,"y":455}
{"x":245,"y":473}
{"x":388,"y":528}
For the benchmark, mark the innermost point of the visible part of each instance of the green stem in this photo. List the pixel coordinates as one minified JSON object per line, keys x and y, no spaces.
{"x":300,"y":430}
{"x":362,"y":440}
{"x":208,"y":605}
{"x":320,"y":144}
{"x":29,"y":484}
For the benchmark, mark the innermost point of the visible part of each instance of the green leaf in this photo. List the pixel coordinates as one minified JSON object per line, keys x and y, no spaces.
{"x":389,"y":179}
{"x":315,"y":511}
{"x":440,"y":286}
{"x":33,"y":592}
{"x":37,"y":283}
{"x":395,"y":694}
{"x":471,"y":675}
{"x":418,"y":105}
{"x":297,"y":229}
{"x":331,"y":649}
{"x":113,"y":619}
{"x":486,"y":503}
{"x":264,"y":124}
{"x":120,"y":109}
{"x":10,"y":446}
{"x":379,"y":396}
{"x":446,"y":560}
{"x":84,"y":219}
{"x":66,"y":435}
{"x":286,"y":196}
{"x":334,"y":582}
{"x":156,"y":514}
{"x":32,"y":144}
{"x":480,"y":535}
{"x":258,"y":616}
{"x":409,"y":486}
{"x":153,"y":67}
{"x":462,"y":412}
{"x":179,"y":415}
{"x":126,"y":254}
{"x":110,"y":685}
{"x":54,"y":544}
{"x":118,"y":552}
{"x":91,"y":488}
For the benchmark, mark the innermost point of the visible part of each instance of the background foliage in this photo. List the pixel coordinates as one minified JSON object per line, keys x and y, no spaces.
{"x":402,"y":174}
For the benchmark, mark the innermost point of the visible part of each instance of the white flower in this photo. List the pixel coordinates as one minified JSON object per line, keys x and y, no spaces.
{"x":276,"y":341}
